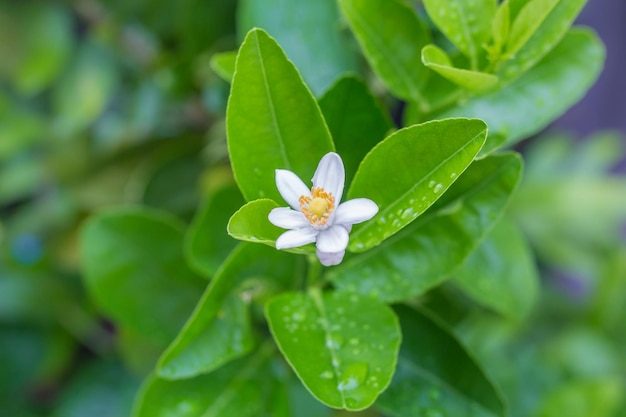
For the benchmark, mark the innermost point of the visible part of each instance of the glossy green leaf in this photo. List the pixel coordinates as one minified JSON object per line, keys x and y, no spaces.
{"x":250,"y":223}
{"x":136,"y":272}
{"x":223,"y":63}
{"x":207,"y":243}
{"x":343,"y":347}
{"x":309,"y":31}
{"x":237,"y":389}
{"x":429,"y":250}
{"x":436,"y":375}
{"x":226,"y":337}
{"x":391,"y":45}
{"x":427,"y":159}
{"x":355,"y":119}
{"x":272,"y":120}
{"x":206,"y":341}
{"x":466,"y":23}
{"x":501,"y":273}
{"x":531,"y":102}
{"x":554,"y":27}
{"x":526,"y":23}
{"x":437,"y":60}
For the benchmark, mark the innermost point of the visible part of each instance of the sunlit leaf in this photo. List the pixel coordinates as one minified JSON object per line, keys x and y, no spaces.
{"x":437,"y":60}
{"x":427,"y":159}
{"x":273,"y":121}
{"x":430,"y":249}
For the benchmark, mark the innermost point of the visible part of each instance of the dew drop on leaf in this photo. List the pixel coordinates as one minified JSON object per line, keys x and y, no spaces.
{"x":352,"y":377}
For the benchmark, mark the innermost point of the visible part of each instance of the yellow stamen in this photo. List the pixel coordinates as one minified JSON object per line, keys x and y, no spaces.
{"x":317,"y":208}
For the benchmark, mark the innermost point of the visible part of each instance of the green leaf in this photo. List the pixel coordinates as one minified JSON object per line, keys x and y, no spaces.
{"x":238,"y":389}
{"x":85,"y":88}
{"x":391,"y":45}
{"x":501,"y":26}
{"x":343,"y":347}
{"x":436,"y":375}
{"x":427,"y":159}
{"x":554,"y":27}
{"x":437,"y":60}
{"x":531,"y":102}
{"x":207,"y":243}
{"x":47,"y":39}
{"x":272,"y":119}
{"x":526,"y":23}
{"x":206,"y":341}
{"x":309,"y":31}
{"x":250,"y":223}
{"x":102,"y":386}
{"x":429,"y":250}
{"x":466,"y":23}
{"x":135,"y":270}
{"x":501,"y":273}
{"x":355,"y":119}
{"x":599,"y":397}
{"x":223,"y":63}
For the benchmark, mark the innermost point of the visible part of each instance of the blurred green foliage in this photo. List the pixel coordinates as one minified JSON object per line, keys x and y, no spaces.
{"x":116,"y":103}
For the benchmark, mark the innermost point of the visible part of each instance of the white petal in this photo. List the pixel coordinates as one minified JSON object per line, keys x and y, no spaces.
{"x":287,"y":218}
{"x":290,"y":187}
{"x":330,"y":175}
{"x":333,"y":239}
{"x":294,"y":238}
{"x":355,"y":211}
{"x":330,"y":259}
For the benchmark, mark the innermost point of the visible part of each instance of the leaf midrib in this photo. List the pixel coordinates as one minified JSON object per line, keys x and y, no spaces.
{"x":270,"y":101}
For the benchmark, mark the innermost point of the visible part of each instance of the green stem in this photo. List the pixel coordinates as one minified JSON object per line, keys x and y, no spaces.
{"x":313,"y":275}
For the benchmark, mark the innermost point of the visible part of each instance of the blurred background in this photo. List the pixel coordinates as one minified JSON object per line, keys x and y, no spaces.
{"x":110,"y":103}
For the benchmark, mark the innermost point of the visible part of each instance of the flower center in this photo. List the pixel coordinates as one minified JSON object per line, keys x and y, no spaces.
{"x":317,"y":208}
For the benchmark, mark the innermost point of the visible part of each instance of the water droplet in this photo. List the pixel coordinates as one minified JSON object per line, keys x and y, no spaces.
{"x":453,"y":175}
{"x":354,"y":341}
{"x":297,"y":316}
{"x":352,"y":376}
{"x":326,"y":374}
{"x":407,"y":214}
{"x":334,"y":341}
{"x":431,"y":184}
{"x":438,"y":188}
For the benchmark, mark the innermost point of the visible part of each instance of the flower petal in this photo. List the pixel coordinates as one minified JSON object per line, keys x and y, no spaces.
{"x":355,"y":211}
{"x":333,"y":239}
{"x":290,"y":187}
{"x":294,"y":238}
{"x":330,"y":175}
{"x":287,"y":218}
{"x":330,"y":258}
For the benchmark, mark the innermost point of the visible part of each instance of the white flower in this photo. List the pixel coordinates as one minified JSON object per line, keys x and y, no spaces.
{"x":317,"y":215}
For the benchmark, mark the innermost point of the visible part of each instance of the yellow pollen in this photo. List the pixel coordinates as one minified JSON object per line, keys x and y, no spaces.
{"x":317,"y":208}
